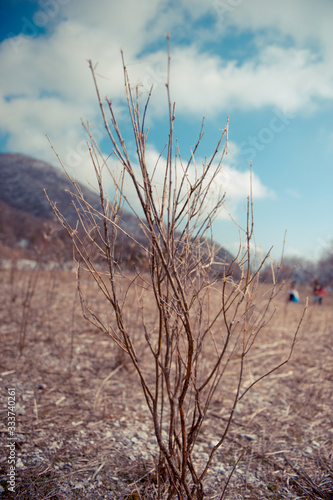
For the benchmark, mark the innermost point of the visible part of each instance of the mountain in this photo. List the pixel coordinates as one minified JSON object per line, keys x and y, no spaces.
{"x":23,"y":179}
{"x":25,"y":212}
{"x":26,"y":215}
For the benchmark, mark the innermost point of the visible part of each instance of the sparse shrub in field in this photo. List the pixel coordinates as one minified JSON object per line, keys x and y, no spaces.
{"x":197,"y":311}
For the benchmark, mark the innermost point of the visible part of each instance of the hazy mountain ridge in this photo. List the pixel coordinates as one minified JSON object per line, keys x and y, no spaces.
{"x":25,"y":211}
{"x":23,"y":179}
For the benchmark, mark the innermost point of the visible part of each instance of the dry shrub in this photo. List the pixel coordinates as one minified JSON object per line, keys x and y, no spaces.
{"x":198,"y":317}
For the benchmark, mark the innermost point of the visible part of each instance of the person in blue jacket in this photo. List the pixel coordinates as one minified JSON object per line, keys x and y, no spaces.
{"x":293,"y":295}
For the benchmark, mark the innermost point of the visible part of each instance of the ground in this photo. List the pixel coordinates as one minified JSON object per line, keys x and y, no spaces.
{"x":82,"y":427}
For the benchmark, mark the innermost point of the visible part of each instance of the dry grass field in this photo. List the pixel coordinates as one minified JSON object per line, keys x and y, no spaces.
{"x":82,"y":427}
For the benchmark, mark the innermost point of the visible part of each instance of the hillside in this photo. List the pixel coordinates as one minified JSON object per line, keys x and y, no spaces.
{"x":22,"y":180}
{"x":25,"y":213}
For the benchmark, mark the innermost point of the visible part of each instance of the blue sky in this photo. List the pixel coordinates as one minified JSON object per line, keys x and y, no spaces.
{"x":267,"y":65}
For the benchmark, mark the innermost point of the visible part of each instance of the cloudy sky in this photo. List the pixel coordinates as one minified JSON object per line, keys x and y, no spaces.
{"x":266,"y":65}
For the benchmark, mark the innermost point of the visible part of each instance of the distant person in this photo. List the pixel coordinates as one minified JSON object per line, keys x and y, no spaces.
{"x":319,"y":292}
{"x":293,"y":295}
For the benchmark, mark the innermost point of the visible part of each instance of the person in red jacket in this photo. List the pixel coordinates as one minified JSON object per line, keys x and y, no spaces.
{"x":319,"y":292}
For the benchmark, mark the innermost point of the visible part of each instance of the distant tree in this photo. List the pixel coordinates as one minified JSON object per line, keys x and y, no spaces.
{"x":325,"y":267}
{"x":291,"y":268}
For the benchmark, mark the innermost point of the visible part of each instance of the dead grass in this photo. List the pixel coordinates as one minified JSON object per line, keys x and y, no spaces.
{"x":83,"y":430}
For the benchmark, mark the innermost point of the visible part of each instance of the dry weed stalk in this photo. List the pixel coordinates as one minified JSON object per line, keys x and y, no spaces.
{"x":30,"y":292}
{"x":198,"y":312}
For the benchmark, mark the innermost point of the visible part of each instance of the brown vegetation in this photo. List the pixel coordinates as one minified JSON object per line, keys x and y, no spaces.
{"x":83,"y":430}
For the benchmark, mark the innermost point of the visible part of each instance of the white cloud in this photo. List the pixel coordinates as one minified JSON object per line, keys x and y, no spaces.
{"x":126,"y":24}
{"x":236,"y":185}
{"x":293,"y":193}
{"x":303,"y":20}
{"x":46,"y":86}
{"x":201,"y":83}
{"x":204,"y":84}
